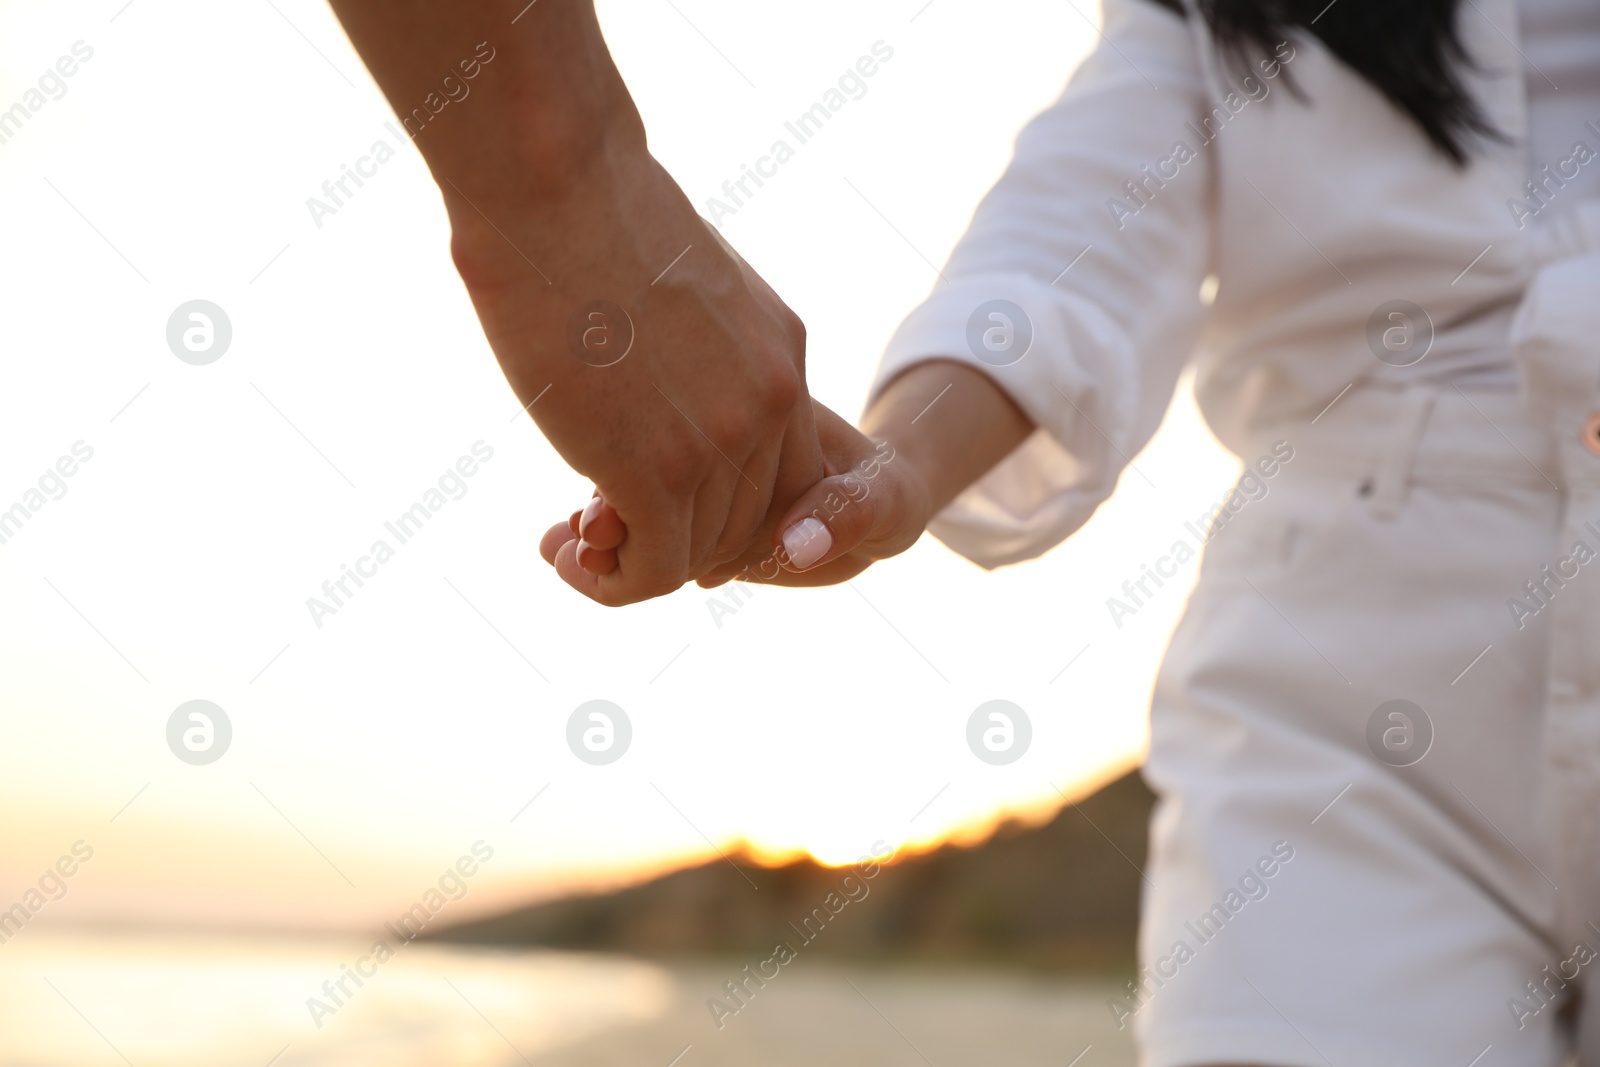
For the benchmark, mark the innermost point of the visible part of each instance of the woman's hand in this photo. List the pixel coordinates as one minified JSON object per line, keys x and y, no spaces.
{"x":871,"y":504}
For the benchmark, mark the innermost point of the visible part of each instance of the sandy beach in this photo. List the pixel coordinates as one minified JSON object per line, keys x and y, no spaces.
{"x":181,"y":999}
{"x":858,"y":1016}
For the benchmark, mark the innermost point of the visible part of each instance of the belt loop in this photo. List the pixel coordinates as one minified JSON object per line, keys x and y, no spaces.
{"x":1394,"y":467}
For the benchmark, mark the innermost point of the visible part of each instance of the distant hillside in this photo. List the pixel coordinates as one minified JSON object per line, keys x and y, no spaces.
{"x":1061,"y":895}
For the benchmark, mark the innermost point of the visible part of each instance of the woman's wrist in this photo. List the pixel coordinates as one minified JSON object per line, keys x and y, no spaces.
{"x":948,"y":423}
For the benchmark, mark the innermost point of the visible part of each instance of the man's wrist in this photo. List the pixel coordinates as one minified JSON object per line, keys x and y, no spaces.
{"x":542,"y":203}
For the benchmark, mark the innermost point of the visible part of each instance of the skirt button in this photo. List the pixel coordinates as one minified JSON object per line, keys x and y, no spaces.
{"x":1591,"y":433}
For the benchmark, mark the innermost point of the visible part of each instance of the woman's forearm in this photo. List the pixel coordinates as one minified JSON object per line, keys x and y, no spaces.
{"x":949,"y":423}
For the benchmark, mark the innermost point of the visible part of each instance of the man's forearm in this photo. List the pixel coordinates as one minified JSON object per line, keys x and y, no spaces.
{"x":530,"y":118}
{"x":950,"y":423}
{"x":676,"y":377}
{"x":553,"y":198}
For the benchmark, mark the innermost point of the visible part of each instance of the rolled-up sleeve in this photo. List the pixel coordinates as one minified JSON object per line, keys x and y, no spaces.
{"x":1076,"y":286}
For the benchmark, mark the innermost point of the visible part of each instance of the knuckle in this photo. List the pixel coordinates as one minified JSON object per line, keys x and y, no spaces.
{"x":795,"y":328}
{"x":730,"y":428}
{"x":679,"y":470}
{"x":781,"y":384}
{"x":782,"y":388}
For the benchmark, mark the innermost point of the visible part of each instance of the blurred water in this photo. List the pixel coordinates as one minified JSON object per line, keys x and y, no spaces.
{"x":179,"y":999}
{"x":71,"y":999}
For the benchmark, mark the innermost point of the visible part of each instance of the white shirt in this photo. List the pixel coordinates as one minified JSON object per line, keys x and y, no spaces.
{"x":1150,"y":173}
{"x":1560,"y":40}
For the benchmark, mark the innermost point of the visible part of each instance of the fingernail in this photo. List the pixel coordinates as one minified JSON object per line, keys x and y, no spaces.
{"x":590,"y":510}
{"x":592,"y":559}
{"x":807,"y":541}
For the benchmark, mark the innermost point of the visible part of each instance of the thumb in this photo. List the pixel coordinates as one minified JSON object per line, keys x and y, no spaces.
{"x":830,"y":519}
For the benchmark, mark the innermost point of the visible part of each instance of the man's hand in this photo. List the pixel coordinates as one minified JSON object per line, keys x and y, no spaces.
{"x":700,"y":428}
{"x":658,"y":364}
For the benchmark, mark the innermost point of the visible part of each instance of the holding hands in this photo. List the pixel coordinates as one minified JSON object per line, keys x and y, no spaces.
{"x":931,"y":432}
{"x":709,"y":458}
{"x":866,"y":507}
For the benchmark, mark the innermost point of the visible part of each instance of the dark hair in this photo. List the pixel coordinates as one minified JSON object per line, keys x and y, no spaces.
{"x":1409,"y":50}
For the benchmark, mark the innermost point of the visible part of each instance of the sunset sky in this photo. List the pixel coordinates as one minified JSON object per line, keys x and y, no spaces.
{"x":370,"y":752}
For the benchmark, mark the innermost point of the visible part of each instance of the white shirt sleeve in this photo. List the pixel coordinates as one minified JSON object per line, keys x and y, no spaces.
{"x":1099,"y":235}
